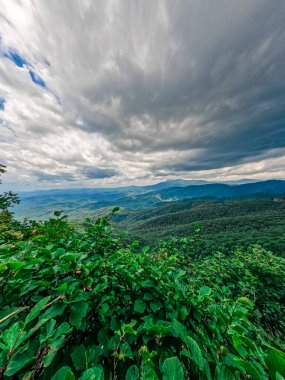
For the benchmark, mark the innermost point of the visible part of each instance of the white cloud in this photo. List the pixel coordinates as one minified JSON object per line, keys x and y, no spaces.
{"x":136,"y":91}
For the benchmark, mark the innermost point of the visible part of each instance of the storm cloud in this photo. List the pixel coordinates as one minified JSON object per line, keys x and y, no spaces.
{"x":115,"y":92}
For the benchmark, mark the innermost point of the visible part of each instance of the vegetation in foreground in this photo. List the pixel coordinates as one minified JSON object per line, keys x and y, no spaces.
{"x":76,"y":303}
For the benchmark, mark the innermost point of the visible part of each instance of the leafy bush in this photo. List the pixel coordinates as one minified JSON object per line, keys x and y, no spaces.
{"x":76,"y":303}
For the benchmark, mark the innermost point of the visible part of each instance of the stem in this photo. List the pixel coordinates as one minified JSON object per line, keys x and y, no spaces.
{"x":11,"y":314}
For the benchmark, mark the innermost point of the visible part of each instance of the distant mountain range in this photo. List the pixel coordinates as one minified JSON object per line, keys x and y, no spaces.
{"x":87,"y":202}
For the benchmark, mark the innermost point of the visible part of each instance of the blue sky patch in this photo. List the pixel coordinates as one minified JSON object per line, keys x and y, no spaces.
{"x":16,"y":58}
{"x":36,"y":79}
{"x":21,"y":62}
{"x":2,"y":103}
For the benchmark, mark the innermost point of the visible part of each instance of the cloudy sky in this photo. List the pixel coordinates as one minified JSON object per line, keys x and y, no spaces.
{"x":96,"y":93}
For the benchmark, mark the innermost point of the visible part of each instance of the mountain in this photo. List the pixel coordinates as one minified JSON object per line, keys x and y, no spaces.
{"x":86,"y":202}
{"x":225,"y":223}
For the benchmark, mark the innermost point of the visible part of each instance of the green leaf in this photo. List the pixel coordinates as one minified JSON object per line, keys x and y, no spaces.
{"x":94,"y":373}
{"x":36,"y":310}
{"x":78,"y":311}
{"x":172,"y":369}
{"x":11,"y":335}
{"x":105,"y":307}
{"x":125,"y":349}
{"x":129,"y":327}
{"x":145,"y":249}
{"x":139,"y":306}
{"x":155,"y":306}
{"x":61,"y":288}
{"x":56,"y":343}
{"x":275,"y":361}
{"x":148,"y":372}
{"x":21,"y":360}
{"x":223,"y":373}
{"x":78,"y":357}
{"x":205,"y":291}
{"x":253,"y":371}
{"x":54,"y":310}
{"x":68,"y":257}
{"x":133,"y":373}
{"x":64,"y":373}
{"x":195,"y":350}
{"x":246,"y":301}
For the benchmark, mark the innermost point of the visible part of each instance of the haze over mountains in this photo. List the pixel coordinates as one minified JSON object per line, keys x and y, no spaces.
{"x":78,"y":203}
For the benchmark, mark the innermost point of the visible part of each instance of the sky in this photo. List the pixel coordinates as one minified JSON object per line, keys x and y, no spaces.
{"x":111,"y":92}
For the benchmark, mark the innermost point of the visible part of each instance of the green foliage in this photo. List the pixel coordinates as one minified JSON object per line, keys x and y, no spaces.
{"x":225,"y":224}
{"x":76,"y":303}
{"x":8,"y":226}
{"x":79,"y":304}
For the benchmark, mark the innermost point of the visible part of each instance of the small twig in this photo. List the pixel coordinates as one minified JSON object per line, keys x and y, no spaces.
{"x":11,"y":314}
{"x":51,"y":302}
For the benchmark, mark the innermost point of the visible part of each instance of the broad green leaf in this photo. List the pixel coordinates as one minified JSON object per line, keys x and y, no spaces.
{"x":78,"y":311}
{"x":94,"y":373}
{"x":139,"y":306}
{"x":172,"y":369}
{"x":252,"y":370}
{"x":11,"y":335}
{"x":63,"y":329}
{"x":78,"y":357}
{"x":53,"y":350}
{"x":105,"y":307}
{"x":129,"y":327}
{"x":21,"y":360}
{"x":234,"y":362}
{"x":223,"y":373}
{"x":125,"y":349}
{"x":205,"y":291}
{"x":61,"y":288}
{"x":148,"y":372}
{"x":28,"y":375}
{"x":155,"y":306}
{"x":145,"y":249}
{"x":246,"y":301}
{"x":36,"y":310}
{"x":195,"y":350}
{"x":15,"y":265}
{"x":64,"y":373}
{"x":48,"y":332}
{"x":133,"y":373}
{"x":275,"y":359}
{"x":68,"y":257}
{"x":56,"y":343}
{"x":54,"y":310}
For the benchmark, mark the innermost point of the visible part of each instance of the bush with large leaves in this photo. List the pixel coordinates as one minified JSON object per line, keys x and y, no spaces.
{"x":76,"y":303}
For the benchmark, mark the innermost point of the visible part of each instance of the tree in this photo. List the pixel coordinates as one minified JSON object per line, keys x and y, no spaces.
{"x":7,"y":199}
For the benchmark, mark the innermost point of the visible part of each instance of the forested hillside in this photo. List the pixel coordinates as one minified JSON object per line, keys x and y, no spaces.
{"x":225,"y":224}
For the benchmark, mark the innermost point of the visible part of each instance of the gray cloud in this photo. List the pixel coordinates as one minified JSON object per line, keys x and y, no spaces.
{"x":147,"y":89}
{"x":98,"y":173}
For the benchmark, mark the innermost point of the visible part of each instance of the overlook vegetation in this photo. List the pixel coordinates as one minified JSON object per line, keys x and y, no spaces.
{"x":226,"y":224}
{"x":82,"y":302}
